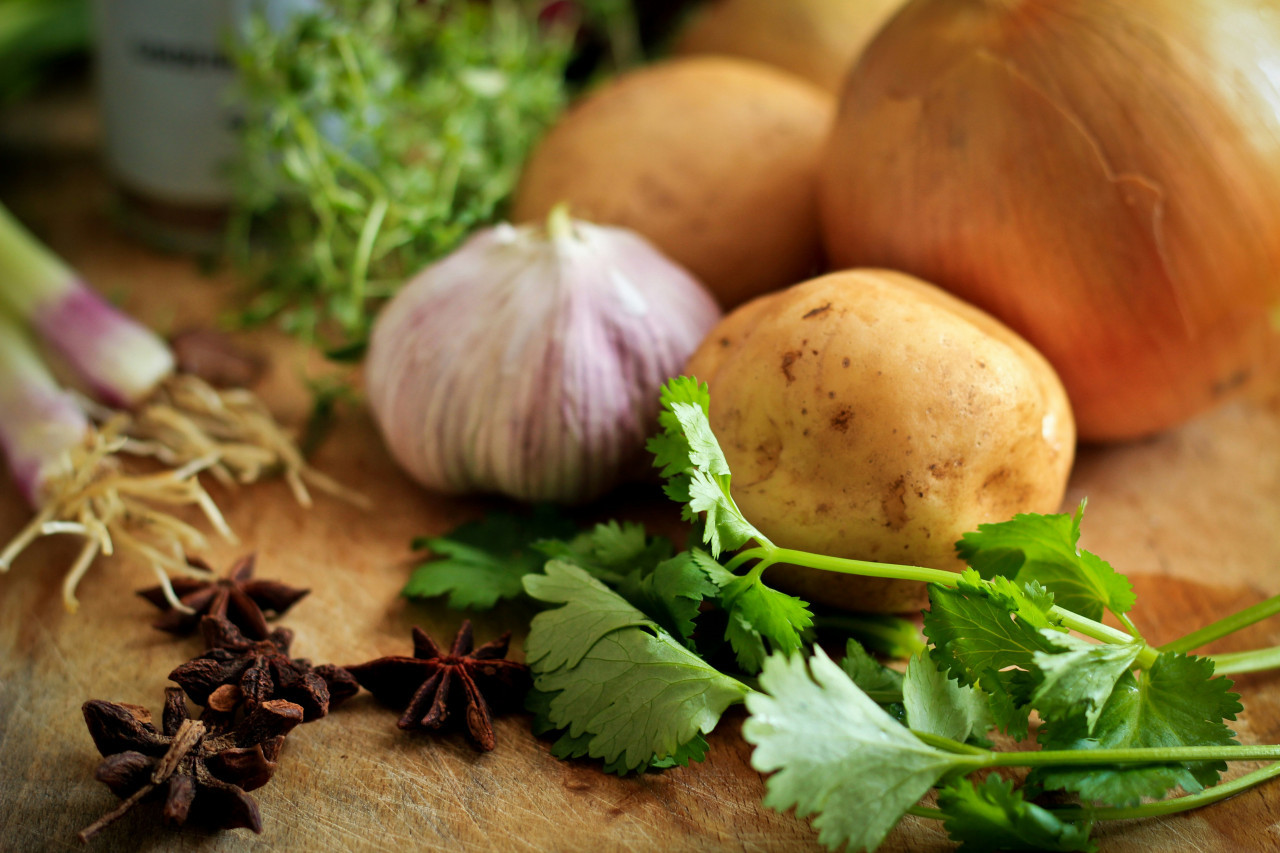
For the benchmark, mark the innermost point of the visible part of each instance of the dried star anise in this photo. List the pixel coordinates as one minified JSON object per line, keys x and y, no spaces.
{"x":238,"y":672}
{"x":202,"y":775}
{"x":432,"y":683}
{"x":237,"y":597}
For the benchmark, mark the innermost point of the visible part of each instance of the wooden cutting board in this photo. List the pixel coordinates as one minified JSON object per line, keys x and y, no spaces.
{"x":1193,"y":517}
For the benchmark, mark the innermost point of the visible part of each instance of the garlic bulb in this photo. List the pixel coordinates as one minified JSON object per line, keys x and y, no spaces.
{"x":529,"y":361}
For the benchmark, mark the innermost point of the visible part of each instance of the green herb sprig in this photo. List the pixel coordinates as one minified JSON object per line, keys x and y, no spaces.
{"x":628,"y":669}
{"x":377,"y":134}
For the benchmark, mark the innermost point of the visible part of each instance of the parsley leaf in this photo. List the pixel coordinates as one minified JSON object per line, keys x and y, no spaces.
{"x":986,"y":633}
{"x":1043,"y":548}
{"x":633,"y":690}
{"x":993,"y":816}
{"x":937,"y":705}
{"x":697,"y":473}
{"x":1079,"y":676}
{"x":836,"y":753}
{"x":483,"y":561}
{"x":1177,"y":702}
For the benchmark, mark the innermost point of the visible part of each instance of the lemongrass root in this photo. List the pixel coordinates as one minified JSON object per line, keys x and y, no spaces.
{"x":115,"y":511}
{"x":188,"y":419}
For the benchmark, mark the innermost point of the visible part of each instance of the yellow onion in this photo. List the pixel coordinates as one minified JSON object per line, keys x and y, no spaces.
{"x":815,"y":39}
{"x":1102,"y":175}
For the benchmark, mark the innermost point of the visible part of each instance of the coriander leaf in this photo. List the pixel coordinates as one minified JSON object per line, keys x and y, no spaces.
{"x":568,"y":746}
{"x":884,"y":633}
{"x":994,"y":816}
{"x":480,"y":562}
{"x":836,"y":753}
{"x":986,"y":633}
{"x":671,"y":594}
{"x":564,"y":636}
{"x":882,"y":684}
{"x":760,"y":619}
{"x":640,"y":696}
{"x":697,"y":473}
{"x":609,"y":549}
{"x":1079,"y":676}
{"x":1043,"y":548}
{"x":937,"y":705}
{"x":1177,"y":702}
{"x":616,"y":677}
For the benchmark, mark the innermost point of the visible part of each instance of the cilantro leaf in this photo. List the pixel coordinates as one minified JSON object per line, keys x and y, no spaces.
{"x":881,"y":684}
{"x":1044,"y":548}
{"x":994,"y":816}
{"x":611,"y":549}
{"x":883,"y":633}
{"x":986,"y":633}
{"x":760,"y":619}
{"x":1079,"y":675}
{"x":480,"y":562}
{"x":567,"y":746}
{"x":695,"y":467}
{"x":939,"y":706}
{"x":672,"y":593}
{"x":1177,"y":702}
{"x":634,"y":691}
{"x":590,"y":611}
{"x":836,"y":753}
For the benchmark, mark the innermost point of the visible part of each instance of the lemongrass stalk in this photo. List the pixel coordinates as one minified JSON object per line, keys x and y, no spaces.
{"x":121,"y":360}
{"x":40,"y":423}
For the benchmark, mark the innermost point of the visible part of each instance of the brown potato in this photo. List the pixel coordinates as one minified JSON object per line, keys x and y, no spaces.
{"x":713,"y":159}
{"x":867,"y":414}
{"x":818,"y":40}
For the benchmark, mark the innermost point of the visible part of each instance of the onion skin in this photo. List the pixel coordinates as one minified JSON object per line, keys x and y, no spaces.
{"x":530,"y":365}
{"x":1101,"y":175}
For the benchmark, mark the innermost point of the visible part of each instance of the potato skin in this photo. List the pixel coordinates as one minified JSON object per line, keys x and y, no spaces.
{"x":867,"y":414}
{"x":713,"y":159}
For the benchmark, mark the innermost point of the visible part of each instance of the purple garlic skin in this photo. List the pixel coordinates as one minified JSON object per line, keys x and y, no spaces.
{"x":529,"y":363}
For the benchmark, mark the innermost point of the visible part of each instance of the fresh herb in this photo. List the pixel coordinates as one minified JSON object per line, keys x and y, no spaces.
{"x":377,"y":135}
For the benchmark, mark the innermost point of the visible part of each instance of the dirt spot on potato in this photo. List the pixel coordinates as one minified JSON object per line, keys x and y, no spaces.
{"x":942,"y":470}
{"x":842,"y":420}
{"x":844,"y":362}
{"x":895,"y":505}
{"x":817,"y":312}
{"x":823,"y":509}
{"x":788,"y":359}
{"x":999,"y":477}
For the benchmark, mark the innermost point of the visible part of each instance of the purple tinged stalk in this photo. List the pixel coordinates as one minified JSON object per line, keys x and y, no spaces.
{"x":119,"y":359}
{"x":39,"y":421}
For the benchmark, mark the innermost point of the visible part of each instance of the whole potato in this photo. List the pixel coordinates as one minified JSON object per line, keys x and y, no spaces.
{"x":713,"y":159}
{"x":867,"y":414}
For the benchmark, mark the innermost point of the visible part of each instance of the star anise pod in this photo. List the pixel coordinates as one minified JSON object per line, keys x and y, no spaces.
{"x":201,"y":775}
{"x":237,"y":597}
{"x":433,"y":683}
{"x":238,"y":672}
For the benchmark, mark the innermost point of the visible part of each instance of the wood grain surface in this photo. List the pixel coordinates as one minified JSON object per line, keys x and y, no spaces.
{"x":1192,"y":516}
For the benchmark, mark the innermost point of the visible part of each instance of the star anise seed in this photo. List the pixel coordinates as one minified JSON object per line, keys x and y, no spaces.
{"x":238,"y":673}
{"x":237,"y":597}
{"x":201,"y":775}
{"x":432,"y":683}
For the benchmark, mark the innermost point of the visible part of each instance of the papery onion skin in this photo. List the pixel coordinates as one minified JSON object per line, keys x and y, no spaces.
{"x":530,"y":365}
{"x":1103,"y":176}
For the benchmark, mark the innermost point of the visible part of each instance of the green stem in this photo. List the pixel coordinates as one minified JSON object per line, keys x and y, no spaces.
{"x":1223,"y":627}
{"x":1179,"y":804}
{"x":1253,"y":660}
{"x":1133,"y":755}
{"x":950,"y":745}
{"x":865,"y":568}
